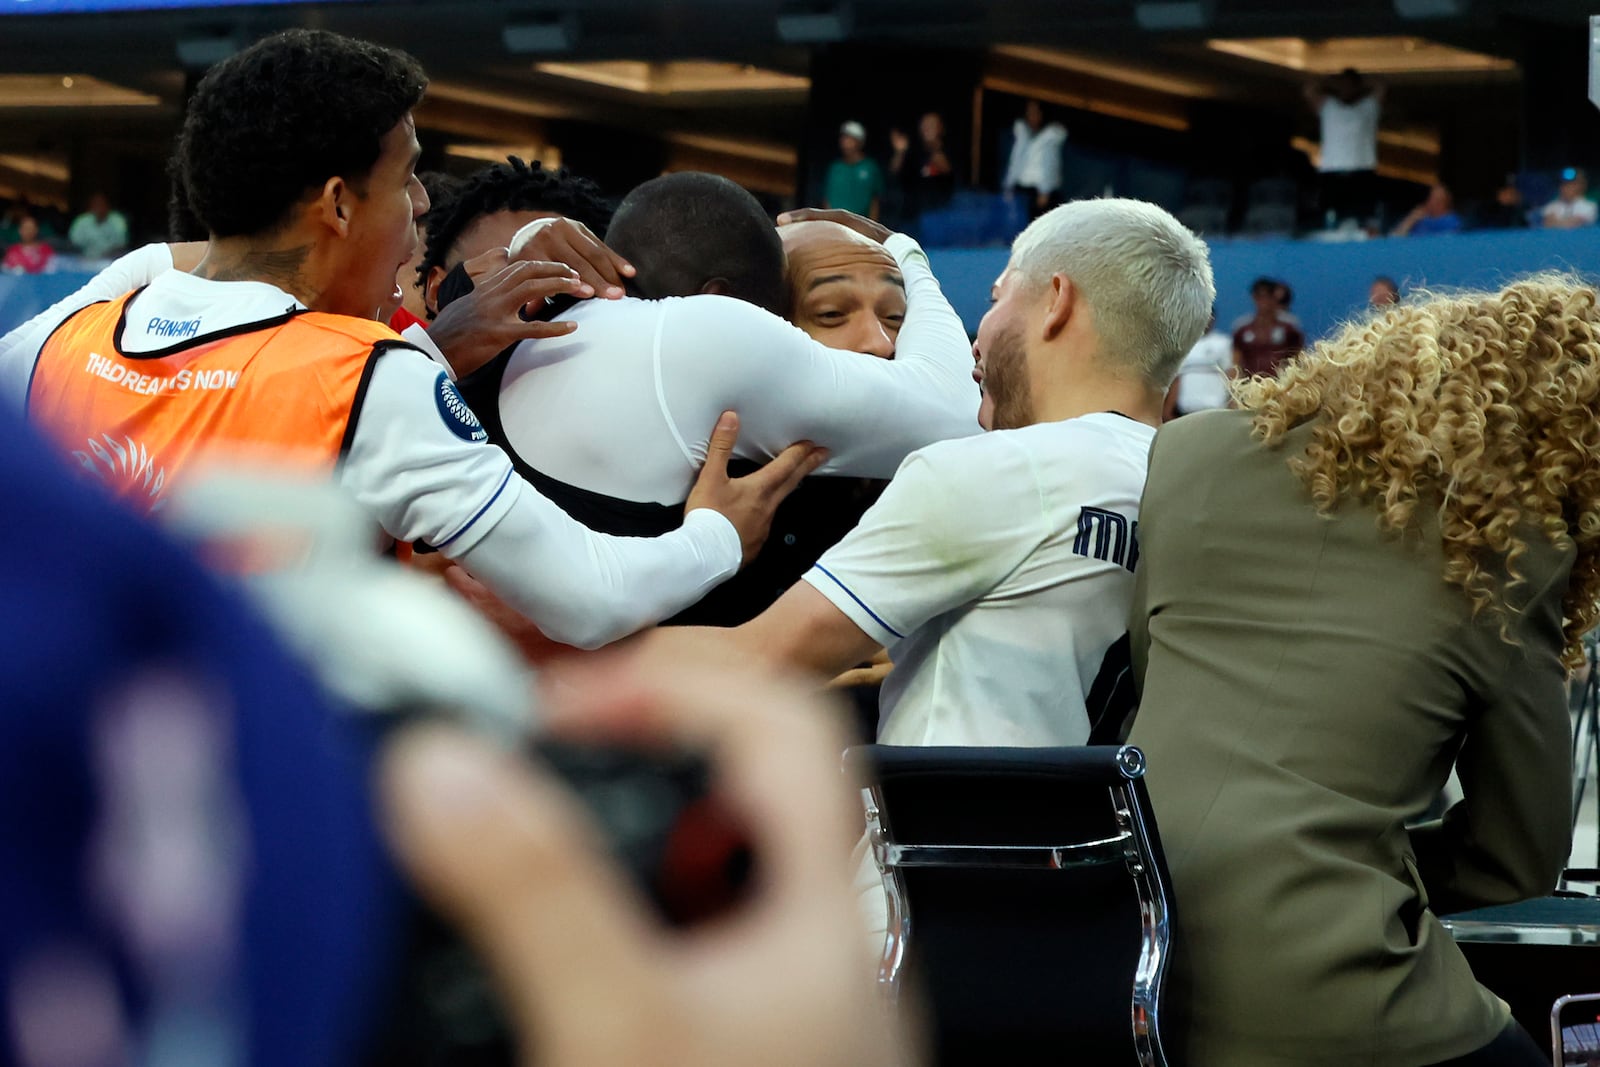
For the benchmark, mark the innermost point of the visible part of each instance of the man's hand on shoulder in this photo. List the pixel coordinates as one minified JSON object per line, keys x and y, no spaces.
{"x":748,"y":502}
{"x":866,"y":227}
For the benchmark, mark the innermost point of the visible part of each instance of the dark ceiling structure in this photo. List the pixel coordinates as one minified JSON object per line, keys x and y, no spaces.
{"x":508,"y":72}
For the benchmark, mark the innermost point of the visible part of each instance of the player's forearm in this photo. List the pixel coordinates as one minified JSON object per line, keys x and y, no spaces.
{"x":587,"y":589}
{"x":933,"y":343}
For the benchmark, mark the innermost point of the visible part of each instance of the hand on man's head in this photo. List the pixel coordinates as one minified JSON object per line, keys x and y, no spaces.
{"x":505,"y":306}
{"x":868,"y":228}
{"x":562,"y":240}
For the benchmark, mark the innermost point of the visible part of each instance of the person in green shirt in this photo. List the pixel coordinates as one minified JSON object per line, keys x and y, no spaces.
{"x":855,"y":181}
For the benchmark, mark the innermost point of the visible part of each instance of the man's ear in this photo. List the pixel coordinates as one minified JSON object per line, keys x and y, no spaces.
{"x":717,"y":286}
{"x":333,"y":205}
{"x":430,"y":289}
{"x":1063,"y":303}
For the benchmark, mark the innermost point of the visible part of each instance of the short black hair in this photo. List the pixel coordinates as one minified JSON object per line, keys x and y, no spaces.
{"x":182,"y":225}
{"x":681,"y":231}
{"x":279,"y":119}
{"x":509,"y":186}
{"x":1264,"y":283}
{"x":439,"y":186}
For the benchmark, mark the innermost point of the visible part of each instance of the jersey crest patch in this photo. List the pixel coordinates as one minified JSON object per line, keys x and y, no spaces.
{"x":458,"y":417}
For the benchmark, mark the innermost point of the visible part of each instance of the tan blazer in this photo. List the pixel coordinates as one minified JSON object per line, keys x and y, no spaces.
{"x":1307,"y":683}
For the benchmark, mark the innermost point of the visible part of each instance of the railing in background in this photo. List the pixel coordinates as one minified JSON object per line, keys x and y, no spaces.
{"x":1330,"y":281}
{"x":22,"y":296}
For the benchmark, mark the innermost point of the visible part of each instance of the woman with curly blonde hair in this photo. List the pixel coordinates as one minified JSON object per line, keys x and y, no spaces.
{"x":1377,"y":568}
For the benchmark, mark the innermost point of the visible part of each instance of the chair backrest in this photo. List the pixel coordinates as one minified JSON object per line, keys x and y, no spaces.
{"x":1028,"y":897}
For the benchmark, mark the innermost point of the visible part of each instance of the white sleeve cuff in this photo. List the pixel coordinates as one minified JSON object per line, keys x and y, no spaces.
{"x":722,"y":543}
{"x":417,"y":334}
{"x":903,"y":247}
{"x":520,"y":239}
{"x":841,"y":597}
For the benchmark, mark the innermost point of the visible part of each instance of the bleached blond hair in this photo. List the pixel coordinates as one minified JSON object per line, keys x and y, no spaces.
{"x":1145,"y":277}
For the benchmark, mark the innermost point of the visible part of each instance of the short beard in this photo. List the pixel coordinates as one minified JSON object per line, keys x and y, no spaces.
{"x":1005,"y":380}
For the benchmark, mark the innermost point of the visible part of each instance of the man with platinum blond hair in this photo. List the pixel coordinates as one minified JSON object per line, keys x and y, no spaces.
{"x":998,"y":569}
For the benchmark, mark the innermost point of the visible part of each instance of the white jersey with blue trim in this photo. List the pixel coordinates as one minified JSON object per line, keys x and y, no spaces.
{"x":419,"y":464}
{"x":998,"y":572}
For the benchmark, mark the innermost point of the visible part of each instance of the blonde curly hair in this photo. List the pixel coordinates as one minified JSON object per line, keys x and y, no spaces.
{"x":1484,"y":405}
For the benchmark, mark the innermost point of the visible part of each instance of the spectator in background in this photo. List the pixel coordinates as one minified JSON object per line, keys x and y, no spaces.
{"x":1035,"y":166}
{"x":1285,"y":301}
{"x":1571,"y":208}
{"x":925,"y":175}
{"x":1348,"y":107}
{"x":1384,"y":292}
{"x":1271,"y":336}
{"x":1202,"y":381}
{"x":29,"y":255}
{"x":99,"y":233}
{"x":855,"y":181}
{"x":1508,"y":211}
{"x":1435,"y":215}
{"x":11,"y":223}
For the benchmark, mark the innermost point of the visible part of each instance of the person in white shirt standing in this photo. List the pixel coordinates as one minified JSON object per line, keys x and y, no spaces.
{"x":1348,"y":107}
{"x":998,"y":569}
{"x":1203,"y":376}
{"x":1572,"y":207}
{"x":1035,"y":167}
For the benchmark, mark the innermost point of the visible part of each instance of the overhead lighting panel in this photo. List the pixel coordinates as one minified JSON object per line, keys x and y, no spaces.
{"x":1372,"y":55}
{"x":67,"y":90}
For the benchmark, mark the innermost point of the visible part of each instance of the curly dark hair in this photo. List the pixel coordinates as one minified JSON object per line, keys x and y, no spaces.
{"x":509,"y":186}
{"x":282,"y":117}
{"x":439,"y":186}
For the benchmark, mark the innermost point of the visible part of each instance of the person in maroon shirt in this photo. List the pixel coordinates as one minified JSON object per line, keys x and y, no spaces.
{"x":29,"y":255}
{"x":1271,"y":337}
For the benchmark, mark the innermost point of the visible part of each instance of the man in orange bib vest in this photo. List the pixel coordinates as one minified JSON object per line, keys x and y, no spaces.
{"x":298,"y":154}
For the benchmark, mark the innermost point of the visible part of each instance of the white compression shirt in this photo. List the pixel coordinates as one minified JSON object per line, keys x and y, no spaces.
{"x":624,"y":406}
{"x":414,"y":466}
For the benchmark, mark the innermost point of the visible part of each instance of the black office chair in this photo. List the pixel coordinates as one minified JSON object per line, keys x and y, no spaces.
{"x":1028,"y":897}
